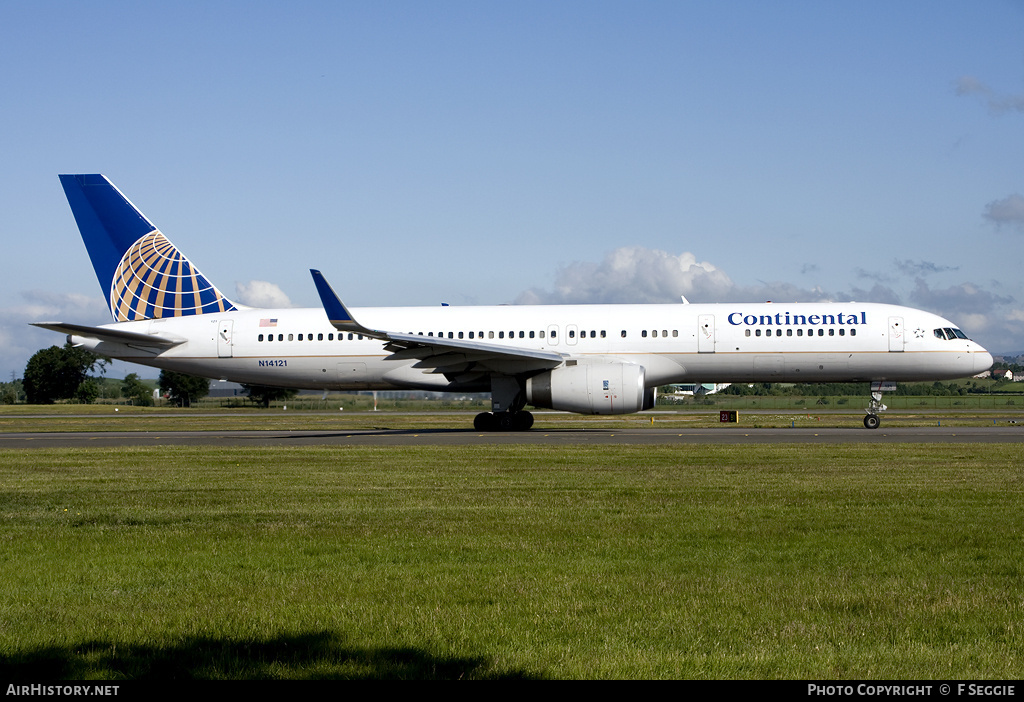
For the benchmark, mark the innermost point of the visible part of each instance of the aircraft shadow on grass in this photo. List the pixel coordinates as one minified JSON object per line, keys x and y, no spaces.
{"x":309,"y":656}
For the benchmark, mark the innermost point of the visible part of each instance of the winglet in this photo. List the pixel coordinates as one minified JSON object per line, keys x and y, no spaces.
{"x":337,"y":313}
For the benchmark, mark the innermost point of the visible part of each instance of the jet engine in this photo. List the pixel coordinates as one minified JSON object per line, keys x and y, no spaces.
{"x":589,"y":387}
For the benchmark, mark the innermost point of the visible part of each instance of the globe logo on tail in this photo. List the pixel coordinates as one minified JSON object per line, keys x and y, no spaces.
{"x":154,"y":280}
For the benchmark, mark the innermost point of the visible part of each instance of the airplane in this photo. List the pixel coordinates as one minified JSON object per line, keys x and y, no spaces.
{"x":588,"y":359}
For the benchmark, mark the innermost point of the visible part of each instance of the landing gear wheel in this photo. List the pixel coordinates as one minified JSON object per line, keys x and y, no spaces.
{"x":522,"y":421}
{"x":503,"y":421}
{"x":871,"y":421}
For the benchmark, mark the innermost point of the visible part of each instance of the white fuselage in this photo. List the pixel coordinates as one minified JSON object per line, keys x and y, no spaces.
{"x":680,"y":343}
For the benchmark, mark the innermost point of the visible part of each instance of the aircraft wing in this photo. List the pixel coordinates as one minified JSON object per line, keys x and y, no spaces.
{"x":455,"y":358}
{"x":114,"y":336}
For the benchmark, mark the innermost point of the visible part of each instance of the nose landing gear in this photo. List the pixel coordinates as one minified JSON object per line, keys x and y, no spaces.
{"x":872,"y":420}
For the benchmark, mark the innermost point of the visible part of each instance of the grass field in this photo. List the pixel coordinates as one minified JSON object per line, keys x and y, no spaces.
{"x":851,"y":561}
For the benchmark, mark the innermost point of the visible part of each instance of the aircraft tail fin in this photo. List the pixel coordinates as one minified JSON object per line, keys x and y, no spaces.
{"x":143,"y":274}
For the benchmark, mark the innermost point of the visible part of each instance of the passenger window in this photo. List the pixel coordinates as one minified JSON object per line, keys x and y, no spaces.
{"x":623,"y":334}
{"x":789,"y":332}
{"x":778,"y":332}
{"x":757,"y":332}
{"x":603,"y":334}
{"x":572,"y":334}
{"x":261,"y":337}
{"x":748,"y":332}
{"x":501,"y":335}
{"x":842,"y":331}
{"x":460,"y":335}
{"x":300,"y":337}
{"x":490,"y":335}
{"x":675,"y":333}
{"x":291,"y":337}
{"x":644,"y":333}
{"x":471,"y":335}
{"x":831,"y":332}
{"x":853,"y":332}
{"x":531,"y":334}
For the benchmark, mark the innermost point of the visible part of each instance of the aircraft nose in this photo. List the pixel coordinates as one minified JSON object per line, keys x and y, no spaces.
{"x":982,"y":361}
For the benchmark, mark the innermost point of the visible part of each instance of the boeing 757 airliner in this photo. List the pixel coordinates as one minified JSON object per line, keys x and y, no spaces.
{"x":590,"y":359}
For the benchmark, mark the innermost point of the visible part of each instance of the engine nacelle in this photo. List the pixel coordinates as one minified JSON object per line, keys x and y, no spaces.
{"x":589,"y":387}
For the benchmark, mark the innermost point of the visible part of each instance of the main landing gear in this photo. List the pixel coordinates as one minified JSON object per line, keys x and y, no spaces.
{"x":507,"y":401}
{"x":503,"y":421}
{"x":872,"y":420}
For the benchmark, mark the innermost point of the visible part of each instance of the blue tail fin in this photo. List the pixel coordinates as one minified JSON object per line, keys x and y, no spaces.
{"x":142,"y":273}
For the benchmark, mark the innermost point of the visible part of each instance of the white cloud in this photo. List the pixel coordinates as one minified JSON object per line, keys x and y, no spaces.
{"x":260,"y":293}
{"x":633,"y":274}
{"x":1009,"y":210}
{"x":997,"y":103}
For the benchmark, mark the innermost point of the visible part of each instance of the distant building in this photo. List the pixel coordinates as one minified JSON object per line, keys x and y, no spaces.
{"x":699,"y":388}
{"x":223,"y":388}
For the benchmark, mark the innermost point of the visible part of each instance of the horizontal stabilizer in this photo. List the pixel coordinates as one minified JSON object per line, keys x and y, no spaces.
{"x":114,"y":336}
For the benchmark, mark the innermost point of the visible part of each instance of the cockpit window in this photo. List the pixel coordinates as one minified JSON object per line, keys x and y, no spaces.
{"x":950,"y":334}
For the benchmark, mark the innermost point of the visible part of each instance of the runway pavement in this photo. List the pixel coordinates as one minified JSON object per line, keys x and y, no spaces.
{"x":566,"y":437}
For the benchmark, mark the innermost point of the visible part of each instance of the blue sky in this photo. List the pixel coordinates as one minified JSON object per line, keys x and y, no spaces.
{"x":485,"y":152}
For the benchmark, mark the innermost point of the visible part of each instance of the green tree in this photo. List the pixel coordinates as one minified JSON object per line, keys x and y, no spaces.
{"x":182,"y":388}
{"x":9,"y":392}
{"x":264,"y":395}
{"x":135,"y":390}
{"x":87,"y":391}
{"x":56,"y":373}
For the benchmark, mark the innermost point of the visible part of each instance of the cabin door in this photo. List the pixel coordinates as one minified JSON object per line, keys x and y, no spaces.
{"x":896,"y":334}
{"x":706,"y":333}
{"x":225,"y":328}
